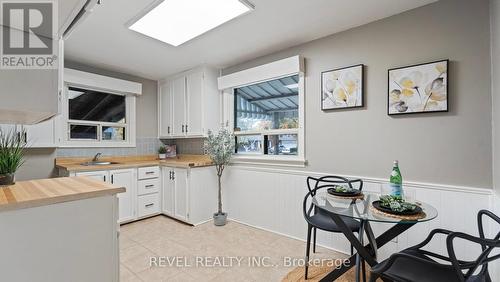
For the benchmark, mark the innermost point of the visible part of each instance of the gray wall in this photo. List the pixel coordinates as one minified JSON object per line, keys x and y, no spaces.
{"x":495,"y":55}
{"x":448,"y":148}
{"x":40,"y":162}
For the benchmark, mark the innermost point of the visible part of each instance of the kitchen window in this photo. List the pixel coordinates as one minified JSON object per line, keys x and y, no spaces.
{"x":268,"y":123}
{"x":264,"y":106}
{"x":267,"y":117}
{"x":97,"y":117}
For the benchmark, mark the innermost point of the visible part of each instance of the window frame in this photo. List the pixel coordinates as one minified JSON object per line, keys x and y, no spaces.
{"x":275,"y":160}
{"x":65,"y":122}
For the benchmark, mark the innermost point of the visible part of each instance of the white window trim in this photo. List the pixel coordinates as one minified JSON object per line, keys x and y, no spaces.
{"x":275,"y":70}
{"x":63,"y":121}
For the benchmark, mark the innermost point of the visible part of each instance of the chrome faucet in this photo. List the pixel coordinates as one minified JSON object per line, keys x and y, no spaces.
{"x":96,"y":157}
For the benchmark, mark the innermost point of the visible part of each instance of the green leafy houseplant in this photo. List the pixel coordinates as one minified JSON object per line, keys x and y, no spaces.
{"x":11,"y":156}
{"x":220,"y":148}
{"x":396,"y":203}
{"x":162,"y":150}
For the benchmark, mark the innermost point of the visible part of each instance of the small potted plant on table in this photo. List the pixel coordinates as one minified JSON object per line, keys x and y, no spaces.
{"x":162,"y":153}
{"x":220,"y":148}
{"x":11,"y":156}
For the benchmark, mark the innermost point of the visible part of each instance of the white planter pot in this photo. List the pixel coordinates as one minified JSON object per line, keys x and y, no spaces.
{"x":162,"y":156}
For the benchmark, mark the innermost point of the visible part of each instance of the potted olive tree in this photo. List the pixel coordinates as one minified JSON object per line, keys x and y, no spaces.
{"x":220,"y":148}
{"x":11,"y":156}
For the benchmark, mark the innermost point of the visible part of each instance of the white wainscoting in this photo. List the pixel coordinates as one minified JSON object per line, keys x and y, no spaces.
{"x":271,"y":199}
{"x":495,"y":269}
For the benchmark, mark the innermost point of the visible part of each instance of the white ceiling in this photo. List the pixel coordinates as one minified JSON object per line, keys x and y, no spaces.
{"x":103,"y":40}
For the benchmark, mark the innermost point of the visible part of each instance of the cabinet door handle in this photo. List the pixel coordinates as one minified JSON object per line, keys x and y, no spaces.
{"x":168,"y":130}
{"x":170,"y":175}
{"x":186,"y":128}
{"x":173,"y":175}
{"x":183,"y":128}
{"x":25,"y":137}
{"x":104,"y":178}
{"x":149,"y":186}
{"x":150,"y":172}
{"x":149,"y":205}
{"x":112,"y":179}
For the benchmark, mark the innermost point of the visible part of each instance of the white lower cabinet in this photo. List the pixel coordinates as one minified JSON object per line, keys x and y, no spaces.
{"x":175,"y":193}
{"x":148,"y":205}
{"x":189,"y":194}
{"x":181,"y":193}
{"x":126,"y":201}
{"x":168,"y":191}
{"x":148,"y":200}
{"x":148,"y":186}
{"x":97,"y":175}
{"x":122,"y":177}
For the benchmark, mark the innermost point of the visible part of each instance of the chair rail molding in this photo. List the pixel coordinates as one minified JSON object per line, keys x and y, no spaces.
{"x":374,"y":180}
{"x":272,"y":201}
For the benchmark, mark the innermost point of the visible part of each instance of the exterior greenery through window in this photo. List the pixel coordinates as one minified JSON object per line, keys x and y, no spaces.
{"x":96,"y":116}
{"x":267,"y":117}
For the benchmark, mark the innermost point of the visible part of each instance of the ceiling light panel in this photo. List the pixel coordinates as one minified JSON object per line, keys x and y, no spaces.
{"x":178,"y":21}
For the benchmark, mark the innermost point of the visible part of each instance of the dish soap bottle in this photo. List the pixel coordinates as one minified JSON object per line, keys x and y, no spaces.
{"x":396,"y":180}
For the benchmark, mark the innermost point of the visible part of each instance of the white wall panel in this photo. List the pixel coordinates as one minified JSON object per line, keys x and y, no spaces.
{"x":271,"y":199}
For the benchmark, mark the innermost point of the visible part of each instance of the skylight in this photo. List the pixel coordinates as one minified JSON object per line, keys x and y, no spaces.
{"x":178,"y":21}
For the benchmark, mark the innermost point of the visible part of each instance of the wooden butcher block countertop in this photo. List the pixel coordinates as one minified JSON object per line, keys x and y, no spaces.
{"x":185,"y":161}
{"x":42,"y":192}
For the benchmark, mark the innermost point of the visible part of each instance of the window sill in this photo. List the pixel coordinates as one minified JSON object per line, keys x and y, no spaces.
{"x":286,"y":161}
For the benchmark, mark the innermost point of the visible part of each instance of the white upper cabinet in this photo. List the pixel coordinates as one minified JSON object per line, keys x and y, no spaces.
{"x":165,"y":102}
{"x":189,"y":104}
{"x":8,"y":129}
{"x":41,"y":135}
{"x":31,"y":95}
{"x":178,"y":107}
{"x":194,"y":93}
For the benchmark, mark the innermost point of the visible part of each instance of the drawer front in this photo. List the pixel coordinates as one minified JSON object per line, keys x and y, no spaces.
{"x":148,"y":172}
{"x":148,"y":186}
{"x":148,"y":204}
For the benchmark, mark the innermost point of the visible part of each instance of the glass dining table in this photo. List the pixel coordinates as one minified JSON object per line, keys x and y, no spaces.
{"x":363,"y":211}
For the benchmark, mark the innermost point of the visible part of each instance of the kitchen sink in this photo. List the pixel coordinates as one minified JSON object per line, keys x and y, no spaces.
{"x":98,"y":163}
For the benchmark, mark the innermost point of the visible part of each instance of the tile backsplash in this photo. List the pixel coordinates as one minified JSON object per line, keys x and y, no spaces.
{"x":144,"y":146}
{"x":193,"y":146}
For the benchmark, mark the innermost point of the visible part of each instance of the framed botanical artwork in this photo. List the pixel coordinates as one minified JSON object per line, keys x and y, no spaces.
{"x":419,"y":88}
{"x":342,"y":88}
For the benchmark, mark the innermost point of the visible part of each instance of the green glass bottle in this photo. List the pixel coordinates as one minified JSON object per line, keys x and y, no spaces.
{"x":396,"y":180}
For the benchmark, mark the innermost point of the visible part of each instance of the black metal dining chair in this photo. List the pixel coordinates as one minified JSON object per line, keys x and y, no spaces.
{"x":322,"y":220}
{"x":416,"y":264}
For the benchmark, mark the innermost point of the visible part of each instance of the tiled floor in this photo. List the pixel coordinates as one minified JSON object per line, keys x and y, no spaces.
{"x":202,"y":248}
